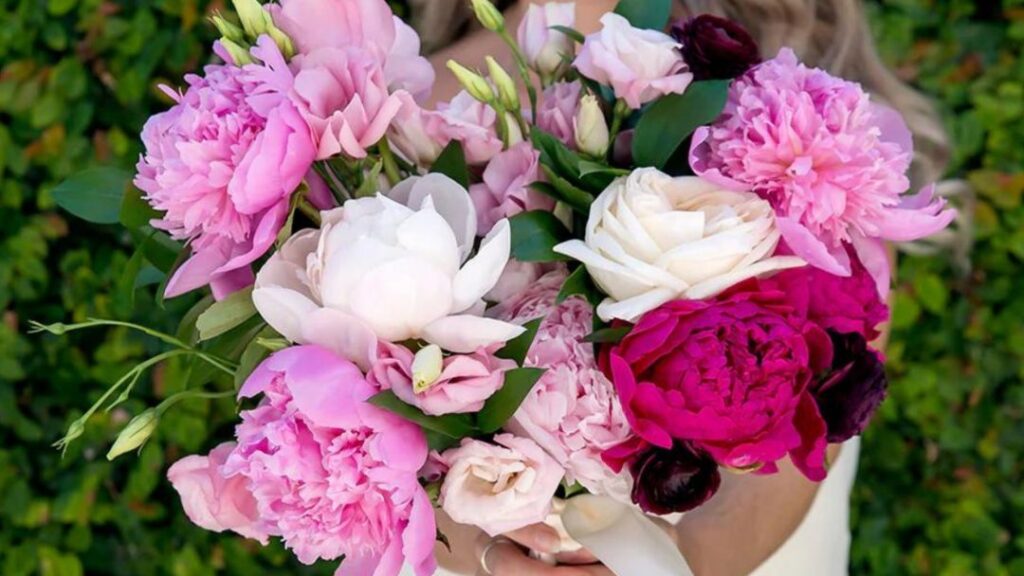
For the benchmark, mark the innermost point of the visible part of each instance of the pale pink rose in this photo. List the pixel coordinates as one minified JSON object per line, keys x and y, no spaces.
{"x":414,"y":134}
{"x":342,"y":95}
{"x":473,"y":124}
{"x":330,"y":473}
{"x":212,"y":501}
{"x":515,"y":278}
{"x":506,"y":190}
{"x":545,"y":48}
{"x":465,"y":383}
{"x":558,"y":109}
{"x":572,"y":412}
{"x":499,"y":487}
{"x":639,"y":65}
{"x":221,"y":165}
{"x":365,"y":24}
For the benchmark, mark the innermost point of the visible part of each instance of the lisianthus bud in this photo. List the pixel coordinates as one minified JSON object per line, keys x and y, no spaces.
{"x":591,"y":128}
{"x":714,"y":47}
{"x":488,"y":15}
{"x":227,"y":29}
{"x":426,"y":367}
{"x":507,"y":93}
{"x":515,"y":134}
{"x":135,"y":434}
{"x":676,"y":480}
{"x":475,"y":84}
{"x":855,"y":388}
{"x":239,"y":55}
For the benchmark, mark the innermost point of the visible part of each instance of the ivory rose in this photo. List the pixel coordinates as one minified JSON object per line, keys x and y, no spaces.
{"x":389,"y":268}
{"x":652,"y":238}
{"x":499,"y":487}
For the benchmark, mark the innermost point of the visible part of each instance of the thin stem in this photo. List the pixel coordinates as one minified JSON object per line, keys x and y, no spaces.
{"x":502,"y":124}
{"x":524,"y":70}
{"x":619,"y":114}
{"x":390,"y":164}
{"x":309,"y":210}
{"x":333,"y":184}
{"x":188,"y":394}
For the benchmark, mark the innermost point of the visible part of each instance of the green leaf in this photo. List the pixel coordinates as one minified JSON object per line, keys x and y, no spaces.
{"x":125,"y":291}
{"x":556,"y":156}
{"x":647,"y":14}
{"x":517,"y":348}
{"x":561,"y":190}
{"x":579,"y":283}
{"x":225,"y":315}
{"x":672,"y":119}
{"x":253,"y":354}
{"x":570,"y":32}
{"x":229,"y":346}
{"x":135,"y":211}
{"x":452,"y":163}
{"x":451,"y":425}
{"x":160,"y":250}
{"x":608,"y":335}
{"x":93,"y":195}
{"x":187,"y":332}
{"x":535,"y":234}
{"x":504,"y":403}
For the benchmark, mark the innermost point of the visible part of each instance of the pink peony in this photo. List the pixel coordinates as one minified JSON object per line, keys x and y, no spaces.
{"x":473,"y":124}
{"x":221,"y":165}
{"x":558,"y":109}
{"x":506,"y":190}
{"x":639,"y":65}
{"x":368,"y":25}
{"x":465,"y":381}
{"x":329,"y":473}
{"x":572,"y":412}
{"x":832,"y":163}
{"x":730,"y":375}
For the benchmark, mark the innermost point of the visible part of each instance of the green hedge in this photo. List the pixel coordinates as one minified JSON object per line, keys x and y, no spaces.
{"x":939,"y":490}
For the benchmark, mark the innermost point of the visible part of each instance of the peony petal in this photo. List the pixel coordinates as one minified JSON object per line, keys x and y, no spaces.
{"x":342,"y":334}
{"x":398,"y":298}
{"x":481,"y":273}
{"x":873,"y":256}
{"x":464,"y":334}
{"x":807,"y":246}
{"x":428,"y":234}
{"x":285,"y":310}
{"x":451,"y":201}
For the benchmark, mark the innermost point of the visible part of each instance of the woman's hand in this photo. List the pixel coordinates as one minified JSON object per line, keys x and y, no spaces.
{"x":501,"y":556}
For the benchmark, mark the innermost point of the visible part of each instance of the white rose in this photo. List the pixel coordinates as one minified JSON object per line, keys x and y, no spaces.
{"x":652,"y":238}
{"x":392,"y":268}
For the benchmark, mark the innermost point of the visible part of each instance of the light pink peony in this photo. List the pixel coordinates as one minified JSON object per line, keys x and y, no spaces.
{"x":473,"y":124}
{"x":365,"y":24}
{"x":465,"y":382}
{"x":221,"y":165}
{"x":558,"y":109}
{"x":832,"y":163}
{"x":572,"y":412}
{"x":639,"y":65}
{"x":506,"y":190}
{"x":329,"y":473}
{"x":499,"y":487}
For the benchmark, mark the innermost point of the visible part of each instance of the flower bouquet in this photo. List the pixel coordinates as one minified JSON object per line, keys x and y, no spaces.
{"x":639,"y":259}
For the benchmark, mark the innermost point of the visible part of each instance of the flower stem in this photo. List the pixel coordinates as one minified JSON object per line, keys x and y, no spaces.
{"x":390,"y":164}
{"x":619,"y":113}
{"x":524,"y":70}
{"x":307,"y":208}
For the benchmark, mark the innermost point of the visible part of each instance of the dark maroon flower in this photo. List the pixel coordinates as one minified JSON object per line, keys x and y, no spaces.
{"x":666,"y":481}
{"x":714,"y":47}
{"x":622,"y":149}
{"x":854,"y":389}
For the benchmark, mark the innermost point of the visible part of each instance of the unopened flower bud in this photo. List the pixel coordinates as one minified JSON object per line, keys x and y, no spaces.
{"x":135,"y":434}
{"x":515,"y":135}
{"x":507,"y":93}
{"x":488,"y":15}
{"x":474,"y":83}
{"x":255,"y":20}
{"x":284,"y":43}
{"x":426,"y":368}
{"x":228,"y":29}
{"x":592,"y":135}
{"x":239,"y":55}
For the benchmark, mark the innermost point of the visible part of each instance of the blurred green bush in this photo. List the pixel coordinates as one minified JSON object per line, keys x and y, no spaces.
{"x":940,"y":481}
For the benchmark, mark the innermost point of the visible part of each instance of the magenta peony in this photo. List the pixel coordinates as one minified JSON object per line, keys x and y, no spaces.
{"x":326,"y":471}
{"x":572,"y":411}
{"x":505,"y":190}
{"x":832,"y":163}
{"x":730,"y":375}
{"x":221,"y":164}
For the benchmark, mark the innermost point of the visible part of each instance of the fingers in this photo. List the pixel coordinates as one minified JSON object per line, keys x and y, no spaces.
{"x":505,"y":558}
{"x":545,"y":540}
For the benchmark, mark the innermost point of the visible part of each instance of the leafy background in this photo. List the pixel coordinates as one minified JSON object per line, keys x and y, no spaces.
{"x":940,"y":485}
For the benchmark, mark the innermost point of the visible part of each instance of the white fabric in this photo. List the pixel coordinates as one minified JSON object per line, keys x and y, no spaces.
{"x":821,"y":543}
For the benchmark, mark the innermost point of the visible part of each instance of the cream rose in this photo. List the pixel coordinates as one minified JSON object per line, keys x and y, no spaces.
{"x":652,"y":238}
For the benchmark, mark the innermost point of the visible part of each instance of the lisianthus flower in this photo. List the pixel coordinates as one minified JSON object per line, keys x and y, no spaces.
{"x":322,"y":468}
{"x":472,"y":123}
{"x":505,"y":190}
{"x":572,"y":411}
{"x":221,"y":165}
{"x":545,"y":48}
{"x":557,"y":110}
{"x":832,"y":163}
{"x":730,"y":375}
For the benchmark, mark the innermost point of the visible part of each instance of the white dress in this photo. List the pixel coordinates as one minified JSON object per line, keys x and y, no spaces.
{"x":821,"y":543}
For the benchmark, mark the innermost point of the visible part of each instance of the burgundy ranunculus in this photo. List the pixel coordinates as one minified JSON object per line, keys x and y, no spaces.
{"x":714,"y":47}
{"x":851,"y":393}
{"x":666,"y":481}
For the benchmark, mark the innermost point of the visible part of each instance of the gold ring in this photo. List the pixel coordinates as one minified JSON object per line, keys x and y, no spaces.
{"x":494,"y":542}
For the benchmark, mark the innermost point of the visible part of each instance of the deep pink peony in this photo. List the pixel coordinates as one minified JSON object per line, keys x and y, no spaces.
{"x":557,"y":111}
{"x":470,"y":122}
{"x":329,"y":473}
{"x":505,"y":190}
{"x":731,"y":375}
{"x":465,"y":383}
{"x":832,"y":163}
{"x":221,"y":165}
{"x":572,"y":411}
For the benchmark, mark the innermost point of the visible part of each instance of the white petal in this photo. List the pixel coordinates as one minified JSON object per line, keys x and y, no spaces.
{"x":612,"y":277}
{"x":451,"y":201}
{"x":342,"y":334}
{"x":348,"y":264}
{"x":481,"y":272}
{"x":285,"y":310}
{"x":398,"y":298}
{"x":464,"y":334}
{"x":428,"y":234}
{"x":717,"y":284}
{"x":632,"y":308}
